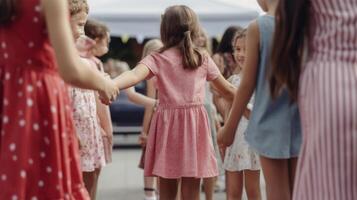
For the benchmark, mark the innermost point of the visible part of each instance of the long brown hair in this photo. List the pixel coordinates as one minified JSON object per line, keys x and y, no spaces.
{"x":8,"y":9}
{"x":287,"y":51}
{"x":180,"y":27}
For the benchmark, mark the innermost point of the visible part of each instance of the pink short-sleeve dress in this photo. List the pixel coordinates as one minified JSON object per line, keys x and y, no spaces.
{"x":179,"y":142}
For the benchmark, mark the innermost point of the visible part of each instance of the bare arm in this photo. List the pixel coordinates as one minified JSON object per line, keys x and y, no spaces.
{"x":149,"y":111}
{"x":140,"y":99}
{"x":132,"y":77}
{"x":222,"y":106}
{"x":218,"y":59}
{"x":71,"y":67}
{"x":246,"y":87}
{"x":224,"y":88}
{"x":104,"y":117}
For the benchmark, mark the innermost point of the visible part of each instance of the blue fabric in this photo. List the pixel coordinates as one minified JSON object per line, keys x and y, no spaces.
{"x":274,"y":129}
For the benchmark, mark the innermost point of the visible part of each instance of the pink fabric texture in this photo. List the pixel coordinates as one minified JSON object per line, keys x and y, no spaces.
{"x":328,"y":105}
{"x":179,"y":142}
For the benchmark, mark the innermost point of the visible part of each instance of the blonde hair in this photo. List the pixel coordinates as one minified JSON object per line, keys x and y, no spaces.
{"x":151,"y":46}
{"x":121,"y":66}
{"x":239,"y":35}
{"x":77,"y":6}
{"x":207,"y":44}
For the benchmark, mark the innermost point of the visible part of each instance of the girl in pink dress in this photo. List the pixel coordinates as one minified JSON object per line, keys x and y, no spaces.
{"x":179,"y":146}
{"x":85,"y":105}
{"x":99,"y":33}
{"x":38,"y":147}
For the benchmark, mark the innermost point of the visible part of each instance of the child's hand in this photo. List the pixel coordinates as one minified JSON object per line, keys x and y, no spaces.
{"x":223,"y":137}
{"x":220,"y":135}
{"x":110,"y":92}
{"x":143,"y":139}
{"x":108,"y":136}
{"x":221,"y":146}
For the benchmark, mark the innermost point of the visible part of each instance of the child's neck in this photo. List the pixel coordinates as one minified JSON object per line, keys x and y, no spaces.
{"x":237,"y":70}
{"x":272,"y":8}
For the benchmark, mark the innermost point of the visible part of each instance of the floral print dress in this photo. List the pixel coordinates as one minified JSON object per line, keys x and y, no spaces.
{"x":239,"y":156}
{"x":88,"y":130}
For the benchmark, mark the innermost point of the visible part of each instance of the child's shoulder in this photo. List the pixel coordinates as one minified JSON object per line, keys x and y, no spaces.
{"x":265,"y":23}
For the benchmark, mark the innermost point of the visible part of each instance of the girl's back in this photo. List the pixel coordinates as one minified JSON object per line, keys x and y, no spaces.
{"x":176,"y":85}
{"x":273,"y":120}
{"x":179,"y":143}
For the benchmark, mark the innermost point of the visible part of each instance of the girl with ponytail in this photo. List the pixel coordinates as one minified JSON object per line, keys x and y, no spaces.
{"x":179,"y":146}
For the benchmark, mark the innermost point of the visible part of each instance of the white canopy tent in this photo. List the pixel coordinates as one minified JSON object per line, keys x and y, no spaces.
{"x":141,"y":18}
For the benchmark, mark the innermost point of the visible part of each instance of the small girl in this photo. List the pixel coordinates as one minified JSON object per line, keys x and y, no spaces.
{"x":85,"y":108}
{"x":209,"y":184}
{"x":179,"y":145}
{"x":100,"y":34}
{"x":241,"y":162}
{"x":223,"y":57}
{"x":274,"y":130}
{"x":150,"y":183}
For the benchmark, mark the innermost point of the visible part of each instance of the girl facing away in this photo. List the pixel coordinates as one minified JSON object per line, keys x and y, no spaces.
{"x":241,"y":162}
{"x":274,"y":130}
{"x":179,"y":146}
{"x":39,"y":149}
{"x":315,"y":57}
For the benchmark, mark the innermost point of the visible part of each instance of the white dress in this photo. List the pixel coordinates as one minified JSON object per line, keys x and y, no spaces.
{"x":239,"y":156}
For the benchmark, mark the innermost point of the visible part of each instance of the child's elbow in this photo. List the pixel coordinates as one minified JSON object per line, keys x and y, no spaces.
{"x":71,"y":78}
{"x":70,"y":75}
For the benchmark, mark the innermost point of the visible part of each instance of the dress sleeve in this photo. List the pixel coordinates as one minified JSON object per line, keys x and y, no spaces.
{"x":151,"y":63}
{"x":212,"y":70}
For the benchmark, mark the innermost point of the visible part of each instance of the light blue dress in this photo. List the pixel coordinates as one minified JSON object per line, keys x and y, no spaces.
{"x":274,"y":129}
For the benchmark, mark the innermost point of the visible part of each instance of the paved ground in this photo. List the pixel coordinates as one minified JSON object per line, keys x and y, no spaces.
{"x":122,"y":180}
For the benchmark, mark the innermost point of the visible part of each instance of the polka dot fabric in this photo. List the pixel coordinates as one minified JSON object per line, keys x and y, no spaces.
{"x":38,"y":148}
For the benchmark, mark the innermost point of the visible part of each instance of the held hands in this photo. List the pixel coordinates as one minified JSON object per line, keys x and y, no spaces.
{"x":109,"y":93}
{"x":223,"y":139}
{"x":221,"y":145}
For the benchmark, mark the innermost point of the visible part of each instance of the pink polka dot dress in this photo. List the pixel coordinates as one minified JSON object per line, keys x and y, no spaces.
{"x":38,"y":148}
{"x":179,"y":141}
